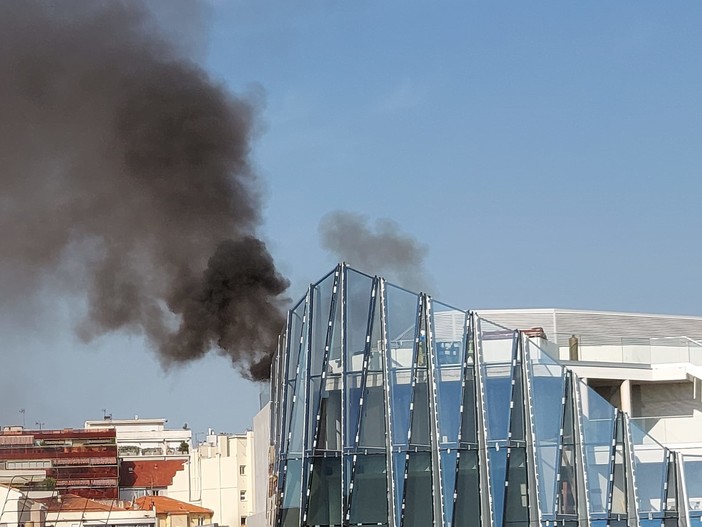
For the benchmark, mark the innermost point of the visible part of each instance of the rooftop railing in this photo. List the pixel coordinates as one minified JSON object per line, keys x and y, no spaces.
{"x":630,"y":350}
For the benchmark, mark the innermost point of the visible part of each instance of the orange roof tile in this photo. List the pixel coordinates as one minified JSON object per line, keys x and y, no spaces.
{"x":149,"y":474}
{"x":71,"y":502}
{"x":165,"y":505}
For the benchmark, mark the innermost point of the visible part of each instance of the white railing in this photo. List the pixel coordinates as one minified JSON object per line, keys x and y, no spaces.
{"x":630,"y":350}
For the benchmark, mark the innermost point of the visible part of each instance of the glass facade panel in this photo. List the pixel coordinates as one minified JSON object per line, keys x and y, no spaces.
{"x":516,"y":498}
{"x":418,"y":491}
{"x":467,"y":511}
{"x":410,"y":418}
{"x":358,"y":310}
{"x":548,"y":385}
{"x":498,"y":393}
{"x":369,"y":503}
{"x":598,"y":418}
{"x":325,"y":492}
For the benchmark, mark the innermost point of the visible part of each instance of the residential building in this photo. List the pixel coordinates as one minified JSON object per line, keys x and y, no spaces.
{"x":82,"y":462}
{"x":219,"y":476}
{"x":76,"y":511}
{"x":173,"y":513}
{"x":18,"y":510}
{"x":262,"y":467}
{"x":141,"y":438}
{"x":391,"y":408}
{"x":150,"y":477}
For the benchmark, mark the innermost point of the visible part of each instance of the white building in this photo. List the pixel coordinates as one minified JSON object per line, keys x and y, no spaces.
{"x":17,"y":509}
{"x":146,"y":438}
{"x":649,"y":366}
{"x":219,"y":476}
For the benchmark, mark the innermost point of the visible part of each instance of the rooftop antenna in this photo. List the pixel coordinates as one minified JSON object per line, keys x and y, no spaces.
{"x":24,"y":417}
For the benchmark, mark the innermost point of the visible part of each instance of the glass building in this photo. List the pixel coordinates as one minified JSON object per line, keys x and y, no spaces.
{"x":392,"y":409}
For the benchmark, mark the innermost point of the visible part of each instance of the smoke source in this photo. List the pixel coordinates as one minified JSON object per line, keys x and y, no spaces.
{"x":383,"y":249}
{"x":123,"y":157}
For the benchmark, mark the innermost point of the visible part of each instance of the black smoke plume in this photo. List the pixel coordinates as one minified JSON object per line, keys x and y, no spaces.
{"x":123,"y":161}
{"x":381,"y":248}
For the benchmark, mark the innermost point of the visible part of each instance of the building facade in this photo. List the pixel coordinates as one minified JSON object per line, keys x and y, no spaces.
{"x":141,"y":438}
{"x":76,"y":461}
{"x":219,"y":475}
{"x":392,"y":409}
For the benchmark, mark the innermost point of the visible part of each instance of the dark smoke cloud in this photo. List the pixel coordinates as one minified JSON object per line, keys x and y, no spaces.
{"x":380,"y":249}
{"x":125,"y":159}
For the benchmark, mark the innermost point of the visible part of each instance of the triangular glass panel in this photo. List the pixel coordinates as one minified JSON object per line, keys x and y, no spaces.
{"x":290,"y":506}
{"x":369,"y":503}
{"x":297,"y":418}
{"x":373,"y":413}
{"x":467,"y":502}
{"x":418,"y":510}
{"x":516,"y":495}
{"x":671,"y":488}
{"x":516,"y":422}
{"x":567,"y":490}
{"x":497,"y":381}
{"x":497,"y":461}
{"x":376,"y":337}
{"x":399,"y":460}
{"x":547,"y":392}
{"x":354,"y":390}
{"x":448,"y":329}
{"x":448,"y":478}
{"x":469,"y":427}
{"x":598,"y":419}
{"x":325,"y":492}
{"x":650,"y":471}
{"x":321,"y":304}
{"x":402,"y":315}
{"x":419,"y":410}
{"x":619,"y":490}
{"x":358,"y":309}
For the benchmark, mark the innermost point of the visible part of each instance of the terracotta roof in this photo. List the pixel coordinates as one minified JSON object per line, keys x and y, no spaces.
{"x":71,"y":502}
{"x":149,"y":474}
{"x":165,"y":505}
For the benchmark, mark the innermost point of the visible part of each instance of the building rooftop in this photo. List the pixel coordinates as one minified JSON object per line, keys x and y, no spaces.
{"x":73,"y":503}
{"x":149,"y":474}
{"x":165,"y":505}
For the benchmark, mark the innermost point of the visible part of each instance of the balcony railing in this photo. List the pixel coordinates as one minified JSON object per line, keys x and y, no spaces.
{"x":630,"y":350}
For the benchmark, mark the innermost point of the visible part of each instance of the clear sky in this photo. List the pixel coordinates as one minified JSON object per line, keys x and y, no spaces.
{"x":546,"y":153}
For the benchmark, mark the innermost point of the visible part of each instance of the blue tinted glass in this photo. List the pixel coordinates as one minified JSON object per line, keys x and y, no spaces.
{"x":498,"y":393}
{"x":418,"y":491}
{"x":448,"y":479}
{"x":449,"y":404}
{"x":693,"y":482}
{"x":548,"y":385}
{"x":293,"y":477}
{"x":498,"y":473}
{"x":401,"y":394}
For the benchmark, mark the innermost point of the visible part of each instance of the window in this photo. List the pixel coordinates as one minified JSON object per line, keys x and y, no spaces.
{"x":242,"y":495}
{"x":243,"y":520}
{"x":242,"y":470}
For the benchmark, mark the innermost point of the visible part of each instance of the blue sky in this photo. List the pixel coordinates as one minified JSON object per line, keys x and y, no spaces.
{"x":546,"y":153}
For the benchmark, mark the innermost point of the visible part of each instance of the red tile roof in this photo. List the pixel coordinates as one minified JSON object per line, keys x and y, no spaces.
{"x":149,"y":474}
{"x":71,"y":502}
{"x":165,"y":505}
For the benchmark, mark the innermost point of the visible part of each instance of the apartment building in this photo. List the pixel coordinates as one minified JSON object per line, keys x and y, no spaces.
{"x":81,"y":462}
